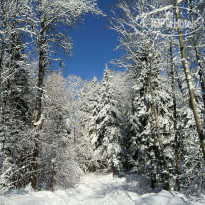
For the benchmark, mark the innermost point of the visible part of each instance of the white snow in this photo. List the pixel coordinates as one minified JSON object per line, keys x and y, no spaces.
{"x":93,"y":190}
{"x":39,"y":121}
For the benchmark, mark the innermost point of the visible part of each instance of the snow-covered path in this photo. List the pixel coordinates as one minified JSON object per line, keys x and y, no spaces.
{"x":93,"y":190}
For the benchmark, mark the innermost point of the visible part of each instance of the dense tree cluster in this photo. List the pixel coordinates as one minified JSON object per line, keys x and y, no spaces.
{"x":148,"y":118}
{"x":33,"y":127}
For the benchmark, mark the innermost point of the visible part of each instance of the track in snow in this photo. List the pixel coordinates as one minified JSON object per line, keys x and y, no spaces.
{"x":93,"y":190}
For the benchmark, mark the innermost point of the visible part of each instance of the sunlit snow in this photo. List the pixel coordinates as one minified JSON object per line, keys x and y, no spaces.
{"x":95,"y":190}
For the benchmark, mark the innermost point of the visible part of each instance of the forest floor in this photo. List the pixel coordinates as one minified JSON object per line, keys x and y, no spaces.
{"x":96,"y":189}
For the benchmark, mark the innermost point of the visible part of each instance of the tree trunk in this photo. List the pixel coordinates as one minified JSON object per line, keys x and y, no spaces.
{"x":166,"y":186}
{"x":188,"y":77}
{"x":113,"y":170}
{"x":37,"y":113}
{"x":200,"y":73}
{"x":175,"y":120}
{"x":1,"y":58}
{"x":74,"y":131}
{"x":3,"y":44}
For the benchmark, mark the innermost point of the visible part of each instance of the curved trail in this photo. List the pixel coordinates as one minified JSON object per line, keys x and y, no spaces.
{"x":92,"y":190}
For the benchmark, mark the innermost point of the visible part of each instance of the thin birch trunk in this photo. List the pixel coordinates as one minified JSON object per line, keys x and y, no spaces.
{"x":175,"y":119}
{"x":188,"y":80}
{"x":200,"y":72}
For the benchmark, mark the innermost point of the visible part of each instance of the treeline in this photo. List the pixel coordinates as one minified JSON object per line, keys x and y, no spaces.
{"x":29,"y":33}
{"x":148,"y":119}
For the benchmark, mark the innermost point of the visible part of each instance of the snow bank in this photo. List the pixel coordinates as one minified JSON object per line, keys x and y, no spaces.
{"x":93,"y":190}
{"x":164,"y":197}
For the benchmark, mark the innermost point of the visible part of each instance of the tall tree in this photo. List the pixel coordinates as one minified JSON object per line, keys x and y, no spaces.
{"x":189,"y":81}
{"x":15,"y":102}
{"x":50,"y":19}
{"x":88,"y":101}
{"x":55,"y":141}
{"x":109,"y":136}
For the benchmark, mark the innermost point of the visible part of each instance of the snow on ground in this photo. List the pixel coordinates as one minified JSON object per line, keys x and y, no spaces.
{"x":94,"y":190}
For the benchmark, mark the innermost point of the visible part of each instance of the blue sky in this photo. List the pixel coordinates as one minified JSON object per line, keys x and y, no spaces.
{"x":93,"y":45}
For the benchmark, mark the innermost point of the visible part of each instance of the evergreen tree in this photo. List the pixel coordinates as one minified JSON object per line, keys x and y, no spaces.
{"x":16,"y":111}
{"x":109,"y":135}
{"x":89,"y":98}
{"x":152,"y":99}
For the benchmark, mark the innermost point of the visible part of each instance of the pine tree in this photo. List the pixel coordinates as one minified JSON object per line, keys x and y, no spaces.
{"x":109,"y":135}
{"x":16,"y":111}
{"x":151,"y":103}
{"x":49,"y":19}
{"x":89,"y":98}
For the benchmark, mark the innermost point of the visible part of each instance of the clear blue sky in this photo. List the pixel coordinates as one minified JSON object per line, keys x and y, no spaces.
{"x":93,"y":45}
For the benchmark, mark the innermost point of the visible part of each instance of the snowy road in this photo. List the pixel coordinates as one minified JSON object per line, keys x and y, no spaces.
{"x":93,"y":190}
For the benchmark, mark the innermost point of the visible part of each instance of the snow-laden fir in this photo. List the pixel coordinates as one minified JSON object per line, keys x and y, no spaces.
{"x":142,"y":129}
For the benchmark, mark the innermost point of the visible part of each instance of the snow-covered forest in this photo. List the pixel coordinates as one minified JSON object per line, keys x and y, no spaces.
{"x":146,"y":117}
